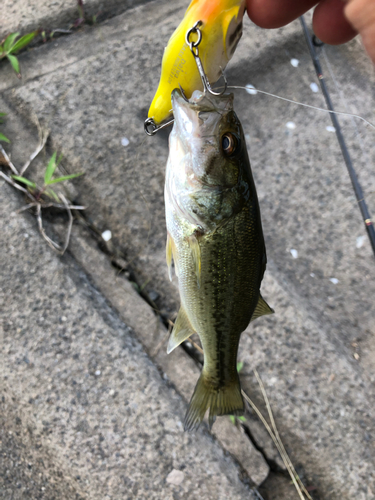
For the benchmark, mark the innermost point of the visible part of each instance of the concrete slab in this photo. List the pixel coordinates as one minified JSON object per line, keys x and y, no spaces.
{"x":85,"y":391}
{"x":305,"y":353}
{"x":18,"y":15}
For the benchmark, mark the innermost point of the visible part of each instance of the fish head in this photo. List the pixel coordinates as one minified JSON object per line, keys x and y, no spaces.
{"x":207,"y":138}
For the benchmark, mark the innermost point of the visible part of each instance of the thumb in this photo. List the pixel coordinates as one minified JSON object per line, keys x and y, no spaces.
{"x":361,"y":15}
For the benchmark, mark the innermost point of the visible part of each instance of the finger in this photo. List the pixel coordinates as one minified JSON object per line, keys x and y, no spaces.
{"x":330,"y":24}
{"x":361,"y":14}
{"x":277,"y":13}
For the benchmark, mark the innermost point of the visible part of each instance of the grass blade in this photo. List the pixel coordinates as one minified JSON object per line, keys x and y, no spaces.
{"x":23,"y":41}
{"x":51,"y":167}
{"x":3,"y":138}
{"x":9,"y":42}
{"x":64,"y":178}
{"x":51,"y":193}
{"x":24,"y":180}
{"x":15,"y":64}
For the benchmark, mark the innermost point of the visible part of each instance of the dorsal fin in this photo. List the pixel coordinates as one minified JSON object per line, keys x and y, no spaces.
{"x":261,"y":309}
{"x":181,"y":331}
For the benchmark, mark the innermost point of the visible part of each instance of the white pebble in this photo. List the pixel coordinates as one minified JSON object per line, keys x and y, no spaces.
{"x":294,"y":253}
{"x":175,"y":477}
{"x":329,"y":128}
{"x":25,"y":235}
{"x":291,"y":125}
{"x":97,"y":373}
{"x":360,"y":241}
{"x":312,"y":275}
{"x":125,"y":142}
{"x":272,"y":380}
{"x":112,"y":392}
{"x":334,"y":280}
{"x":250,"y":89}
{"x":106,"y":235}
{"x":294,"y":62}
{"x":314,"y":87}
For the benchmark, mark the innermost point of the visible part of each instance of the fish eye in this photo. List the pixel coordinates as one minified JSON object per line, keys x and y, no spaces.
{"x":229,"y":143}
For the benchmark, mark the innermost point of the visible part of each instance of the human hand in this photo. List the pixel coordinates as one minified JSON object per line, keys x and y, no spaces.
{"x":334,"y":21}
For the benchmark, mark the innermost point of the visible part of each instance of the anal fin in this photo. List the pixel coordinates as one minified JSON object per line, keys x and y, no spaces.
{"x":181,"y":331}
{"x":261,"y":309}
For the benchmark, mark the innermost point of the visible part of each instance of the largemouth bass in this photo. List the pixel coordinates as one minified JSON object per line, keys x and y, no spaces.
{"x":222,"y":25}
{"x":216,"y":241}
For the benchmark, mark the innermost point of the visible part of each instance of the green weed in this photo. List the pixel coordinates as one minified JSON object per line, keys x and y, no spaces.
{"x":11,"y":46}
{"x":48,"y":180}
{"x":2,"y":136}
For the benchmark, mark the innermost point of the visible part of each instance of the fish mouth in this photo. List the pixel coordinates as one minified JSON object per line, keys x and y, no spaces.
{"x":202,"y":101}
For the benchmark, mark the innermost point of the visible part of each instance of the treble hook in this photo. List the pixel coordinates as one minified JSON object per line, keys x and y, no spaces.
{"x":195,"y":51}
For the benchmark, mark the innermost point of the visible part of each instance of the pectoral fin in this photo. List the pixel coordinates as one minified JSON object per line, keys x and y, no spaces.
{"x":181,"y":331}
{"x":196,"y":256}
{"x":261,"y":309}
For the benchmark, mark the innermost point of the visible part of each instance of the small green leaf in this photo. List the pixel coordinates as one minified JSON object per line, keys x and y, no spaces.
{"x":24,"y":181}
{"x":239,"y":366}
{"x":51,"y":167}
{"x":3,"y":138}
{"x":3,"y":114}
{"x":9,"y":42}
{"x":65,"y":178}
{"x":242,"y":419}
{"x":232,"y":419}
{"x":51,"y":193}
{"x":15,"y":64}
{"x":23,"y":41}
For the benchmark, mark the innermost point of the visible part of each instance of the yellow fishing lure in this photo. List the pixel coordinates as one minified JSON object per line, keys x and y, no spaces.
{"x":222,"y":30}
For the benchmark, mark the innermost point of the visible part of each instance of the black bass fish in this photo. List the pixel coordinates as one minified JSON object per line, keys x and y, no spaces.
{"x":216,"y":240}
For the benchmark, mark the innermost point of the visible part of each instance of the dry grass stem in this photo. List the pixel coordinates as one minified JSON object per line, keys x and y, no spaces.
{"x":301,"y":490}
{"x":26,"y":207}
{"x":7,"y":159}
{"x":70,"y":225}
{"x":50,"y":242}
{"x":17,"y":186}
{"x":160,"y":344}
{"x":196,"y":345}
{"x":43,"y":136}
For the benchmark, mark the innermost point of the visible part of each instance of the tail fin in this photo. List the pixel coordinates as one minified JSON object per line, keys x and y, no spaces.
{"x":226,"y":400}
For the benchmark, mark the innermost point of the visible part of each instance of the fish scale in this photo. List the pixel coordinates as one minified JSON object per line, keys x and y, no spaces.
{"x":216,"y":240}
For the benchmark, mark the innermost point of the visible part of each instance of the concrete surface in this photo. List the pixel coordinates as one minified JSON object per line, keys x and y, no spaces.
{"x":81,"y":389}
{"x":26,"y":16}
{"x":316,"y":354}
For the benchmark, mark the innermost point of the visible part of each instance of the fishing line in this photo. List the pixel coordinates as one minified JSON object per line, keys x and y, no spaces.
{"x":342,"y":97}
{"x":331,"y":111}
